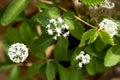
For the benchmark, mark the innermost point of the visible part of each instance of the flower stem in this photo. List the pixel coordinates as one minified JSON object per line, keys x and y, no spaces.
{"x":84,"y":22}
{"x":78,"y":18}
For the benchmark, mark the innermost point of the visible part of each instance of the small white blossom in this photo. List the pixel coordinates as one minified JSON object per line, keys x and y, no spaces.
{"x":58,"y":30}
{"x":65,"y":26}
{"x":80,"y":65}
{"x":57,"y":27}
{"x":18,"y":52}
{"x":58,"y":34}
{"x":48,"y":26}
{"x":109,"y":26}
{"x":50,"y":31}
{"x":55,"y":38}
{"x":77,"y":57}
{"x":85,"y":59}
{"x":82,"y":52}
{"x":80,"y":55}
{"x":60,"y":20}
{"x":66,"y":34}
{"x":53,"y":21}
{"x":107,"y":4}
{"x":82,"y":58}
{"x":88,"y":58}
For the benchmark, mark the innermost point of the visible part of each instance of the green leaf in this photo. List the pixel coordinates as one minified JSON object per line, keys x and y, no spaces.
{"x":76,"y":28}
{"x":50,"y":70}
{"x":43,"y":17}
{"x":14,"y":74}
{"x":52,"y":12}
{"x":76,"y":74}
{"x":13,"y":10}
{"x":98,"y":45}
{"x":35,"y":68}
{"x":5,"y":67}
{"x":26,"y":34}
{"x":24,"y":78}
{"x":39,"y":45}
{"x":92,"y":67}
{"x":74,"y":62}
{"x":11,"y":36}
{"x":92,"y":2}
{"x":42,"y":20}
{"x":63,"y":73}
{"x":105,"y":37}
{"x":89,"y":37}
{"x":61,"y":48}
{"x":42,"y":5}
{"x":68,"y":15}
{"x":91,"y":50}
{"x":112,"y":56}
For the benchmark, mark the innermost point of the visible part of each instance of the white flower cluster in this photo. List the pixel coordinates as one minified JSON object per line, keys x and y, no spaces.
{"x":109,"y":26}
{"x":57,"y":27}
{"x":82,"y":58}
{"x":18,"y":52}
{"x":107,"y":4}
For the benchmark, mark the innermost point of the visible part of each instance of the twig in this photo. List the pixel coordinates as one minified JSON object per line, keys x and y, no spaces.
{"x":47,"y":2}
{"x":84,"y":22}
{"x":24,"y":64}
{"x":79,"y":18}
{"x":76,"y":7}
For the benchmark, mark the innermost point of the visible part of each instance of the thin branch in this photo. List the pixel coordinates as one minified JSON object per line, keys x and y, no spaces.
{"x":84,"y":22}
{"x":47,"y":2}
{"x":75,"y":2}
{"x":24,"y":64}
{"x":79,"y":18}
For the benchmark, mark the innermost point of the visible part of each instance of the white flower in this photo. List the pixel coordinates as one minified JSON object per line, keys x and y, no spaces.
{"x":107,"y":4}
{"x":82,"y":52}
{"x":50,"y":31}
{"x":18,"y":52}
{"x":57,"y":27}
{"x":58,"y":30}
{"x":109,"y":26}
{"x":85,"y":59}
{"x":48,"y":26}
{"x":66,"y":34}
{"x":53,"y":21}
{"x":58,"y":34}
{"x":60,"y":20}
{"x":80,"y":65}
{"x":65,"y":26}
{"x":82,"y":58}
{"x":55,"y":38}
{"x":79,"y":56}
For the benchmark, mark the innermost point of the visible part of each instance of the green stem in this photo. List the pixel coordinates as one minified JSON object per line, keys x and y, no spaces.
{"x":79,"y":18}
